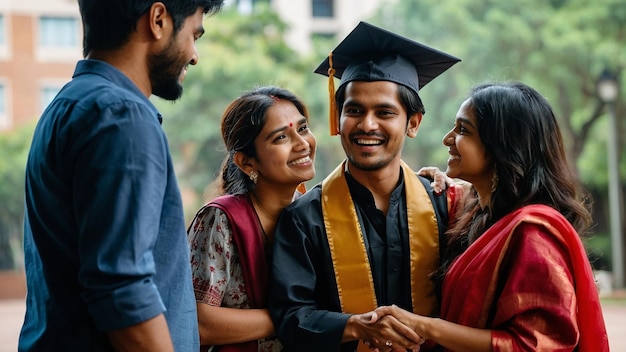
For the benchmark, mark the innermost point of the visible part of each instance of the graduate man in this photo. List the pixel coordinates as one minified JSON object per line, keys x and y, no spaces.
{"x":368,"y":235}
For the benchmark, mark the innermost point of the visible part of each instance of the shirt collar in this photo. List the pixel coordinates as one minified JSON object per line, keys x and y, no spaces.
{"x":362,"y":195}
{"x":111,"y":73}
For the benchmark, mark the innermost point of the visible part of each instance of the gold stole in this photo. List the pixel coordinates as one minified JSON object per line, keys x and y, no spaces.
{"x":355,"y":285}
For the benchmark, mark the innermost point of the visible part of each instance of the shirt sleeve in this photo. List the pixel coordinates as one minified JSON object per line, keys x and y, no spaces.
{"x":212,"y":253}
{"x":119,"y":182}
{"x":537,"y":307}
{"x":300,"y":295}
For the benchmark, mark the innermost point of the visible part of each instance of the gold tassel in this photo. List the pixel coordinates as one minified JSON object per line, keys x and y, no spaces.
{"x":334,"y":118}
{"x":301,"y":188}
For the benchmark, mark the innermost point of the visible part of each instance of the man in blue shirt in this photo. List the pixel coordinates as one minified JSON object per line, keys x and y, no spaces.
{"x":105,"y":244}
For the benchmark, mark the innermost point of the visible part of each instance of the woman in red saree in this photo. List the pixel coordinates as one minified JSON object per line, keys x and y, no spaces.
{"x":516,"y":276}
{"x":270,"y":153}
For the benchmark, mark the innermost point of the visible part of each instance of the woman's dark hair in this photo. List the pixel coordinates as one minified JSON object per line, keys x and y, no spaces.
{"x":410,"y":100}
{"x":107,"y":24}
{"x":520,"y":133}
{"x":242,"y":122}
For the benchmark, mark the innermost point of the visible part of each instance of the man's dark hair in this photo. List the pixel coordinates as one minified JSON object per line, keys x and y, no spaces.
{"x":107,"y":24}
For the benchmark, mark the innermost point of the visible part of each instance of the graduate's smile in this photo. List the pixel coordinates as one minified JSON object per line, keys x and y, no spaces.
{"x":369,"y":140}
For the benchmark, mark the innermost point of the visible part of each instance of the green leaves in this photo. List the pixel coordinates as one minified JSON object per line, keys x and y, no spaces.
{"x":559,"y":47}
{"x":13,"y":154}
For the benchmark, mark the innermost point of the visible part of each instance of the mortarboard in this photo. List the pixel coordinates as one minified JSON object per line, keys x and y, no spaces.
{"x":370,"y":53}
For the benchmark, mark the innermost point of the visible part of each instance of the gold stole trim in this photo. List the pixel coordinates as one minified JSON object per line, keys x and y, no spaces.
{"x":349,"y":255}
{"x":347,"y":248}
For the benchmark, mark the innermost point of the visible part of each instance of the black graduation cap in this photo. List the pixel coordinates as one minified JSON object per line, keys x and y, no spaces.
{"x":370,"y":53}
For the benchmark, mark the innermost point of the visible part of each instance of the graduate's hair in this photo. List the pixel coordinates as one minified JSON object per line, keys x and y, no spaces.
{"x":520,"y":133}
{"x":107,"y":24}
{"x":242,"y":122}
{"x":410,"y":100}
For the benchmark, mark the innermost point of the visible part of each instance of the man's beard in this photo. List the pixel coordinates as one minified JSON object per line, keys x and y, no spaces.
{"x":165,"y":70}
{"x":371,"y":166}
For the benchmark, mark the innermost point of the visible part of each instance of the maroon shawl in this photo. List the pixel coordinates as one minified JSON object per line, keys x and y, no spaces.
{"x":250,"y":244}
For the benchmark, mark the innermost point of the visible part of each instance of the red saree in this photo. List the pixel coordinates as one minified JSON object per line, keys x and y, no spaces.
{"x":529,"y":280}
{"x":251,"y":248}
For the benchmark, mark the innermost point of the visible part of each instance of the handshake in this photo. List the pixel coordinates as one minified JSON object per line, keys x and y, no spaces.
{"x":389,"y":328}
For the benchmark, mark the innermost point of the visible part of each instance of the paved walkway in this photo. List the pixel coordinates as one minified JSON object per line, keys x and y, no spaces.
{"x":12,"y":314}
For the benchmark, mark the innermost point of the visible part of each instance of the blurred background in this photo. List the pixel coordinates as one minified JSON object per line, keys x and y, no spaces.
{"x":572,"y":51}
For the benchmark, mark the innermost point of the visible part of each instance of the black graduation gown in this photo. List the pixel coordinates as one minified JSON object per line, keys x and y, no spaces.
{"x":303,"y":298}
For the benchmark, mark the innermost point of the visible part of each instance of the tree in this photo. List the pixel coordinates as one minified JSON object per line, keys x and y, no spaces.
{"x":237,"y":53}
{"x":13,"y":153}
{"x":558,"y":46}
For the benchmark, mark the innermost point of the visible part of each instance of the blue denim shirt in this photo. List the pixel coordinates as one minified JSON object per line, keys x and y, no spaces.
{"x":105,"y":241}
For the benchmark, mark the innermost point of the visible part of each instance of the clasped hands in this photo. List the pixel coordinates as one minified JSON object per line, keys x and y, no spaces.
{"x":390,"y":328}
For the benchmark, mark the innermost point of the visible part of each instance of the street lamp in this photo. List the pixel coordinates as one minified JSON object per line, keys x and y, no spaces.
{"x":608,"y":89}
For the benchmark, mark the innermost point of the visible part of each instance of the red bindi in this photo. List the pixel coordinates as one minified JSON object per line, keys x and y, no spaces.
{"x":290,"y":124}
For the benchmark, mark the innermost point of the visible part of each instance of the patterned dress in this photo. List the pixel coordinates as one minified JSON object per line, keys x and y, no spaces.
{"x":216,"y":268}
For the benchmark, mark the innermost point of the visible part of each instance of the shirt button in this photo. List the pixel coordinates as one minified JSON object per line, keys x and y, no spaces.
{"x":395,"y":270}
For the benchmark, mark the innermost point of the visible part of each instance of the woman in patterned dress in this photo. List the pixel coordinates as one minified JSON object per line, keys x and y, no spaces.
{"x":270,"y":154}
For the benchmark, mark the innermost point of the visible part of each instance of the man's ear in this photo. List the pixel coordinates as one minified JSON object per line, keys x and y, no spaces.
{"x":244,"y":162}
{"x":160,"y":20}
{"x":414,"y":124}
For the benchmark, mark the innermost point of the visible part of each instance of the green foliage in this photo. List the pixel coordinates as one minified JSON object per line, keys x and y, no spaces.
{"x":559,"y":47}
{"x":599,"y":250}
{"x":13,"y":153}
{"x":237,"y":53}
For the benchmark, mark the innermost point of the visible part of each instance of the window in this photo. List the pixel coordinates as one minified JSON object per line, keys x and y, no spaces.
{"x":3,"y":39}
{"x":59,"y":39}
{"x":4,"y":118}
{"x":47,"y":94}
{"x":4,"y":45}
{"x":58,"y":32}
{"x":323,"y":8}
{"x":247,"y":7}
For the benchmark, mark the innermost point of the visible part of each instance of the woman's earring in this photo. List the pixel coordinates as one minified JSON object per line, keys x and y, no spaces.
{"x":254,"y":176}
{"x":494,"y":179}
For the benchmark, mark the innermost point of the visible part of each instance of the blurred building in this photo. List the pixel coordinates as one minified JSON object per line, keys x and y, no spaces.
{"x":41,"y":40}
{"x":308,"y":19}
